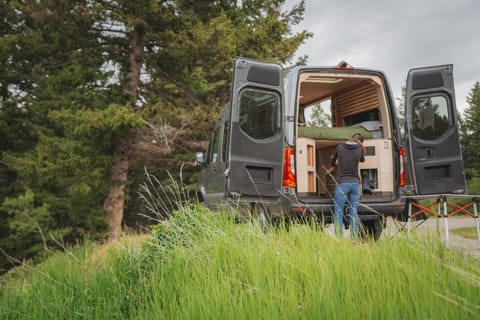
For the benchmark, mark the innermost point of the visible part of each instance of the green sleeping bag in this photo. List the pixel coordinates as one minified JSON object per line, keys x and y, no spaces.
{"x":337,"y":133}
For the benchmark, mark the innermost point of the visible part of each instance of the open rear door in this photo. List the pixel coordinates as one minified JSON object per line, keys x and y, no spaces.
{"x":435,"y":157}
{"x":256,"y":137}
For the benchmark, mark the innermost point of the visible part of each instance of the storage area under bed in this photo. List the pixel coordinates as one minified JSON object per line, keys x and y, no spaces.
{"x":313,"y":164}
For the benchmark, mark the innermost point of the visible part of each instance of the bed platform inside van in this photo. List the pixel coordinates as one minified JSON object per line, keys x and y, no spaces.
{"x":341,"y":133}
{"x":369,"y":130}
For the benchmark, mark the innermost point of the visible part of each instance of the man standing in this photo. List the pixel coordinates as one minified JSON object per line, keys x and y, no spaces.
{"x":348,"y":154}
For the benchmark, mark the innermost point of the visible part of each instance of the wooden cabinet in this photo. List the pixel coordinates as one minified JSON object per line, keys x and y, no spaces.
{"x":378,"y":157}
{"x":306,"y":164}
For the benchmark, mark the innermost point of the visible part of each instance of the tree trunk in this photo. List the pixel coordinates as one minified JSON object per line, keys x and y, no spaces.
{"x":132,"y":79}
{"x":114,"y":204}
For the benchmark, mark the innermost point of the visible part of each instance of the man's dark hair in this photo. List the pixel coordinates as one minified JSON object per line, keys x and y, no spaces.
{"x":358,"y":136}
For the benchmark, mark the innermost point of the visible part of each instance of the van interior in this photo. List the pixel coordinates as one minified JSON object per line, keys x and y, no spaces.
{"x":331,"y":108}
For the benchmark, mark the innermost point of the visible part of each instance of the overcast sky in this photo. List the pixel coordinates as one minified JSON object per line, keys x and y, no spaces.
{"x":395,"y":36}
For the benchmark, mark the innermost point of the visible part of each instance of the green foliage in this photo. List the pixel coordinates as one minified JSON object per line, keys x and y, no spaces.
{"x":99,"y":127}
{"x":470,"y":233}
{"x":185,"y":228}
{"x":470,"y":139}
{"x":69,"y":181}
{"x":68,"y":110}
{"x":29,"y":225}
{"x":474,"y":184}
{"x":26,"y":218}
{"x":471,"y":131}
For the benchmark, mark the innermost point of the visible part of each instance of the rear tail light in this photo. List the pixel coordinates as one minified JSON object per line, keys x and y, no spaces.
{"x":401,"y":152}
{"x":289,"y":179}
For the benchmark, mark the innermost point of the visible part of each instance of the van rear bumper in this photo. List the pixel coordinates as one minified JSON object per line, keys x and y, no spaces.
{"x":366,"y":210}
{"x":289,"y":206}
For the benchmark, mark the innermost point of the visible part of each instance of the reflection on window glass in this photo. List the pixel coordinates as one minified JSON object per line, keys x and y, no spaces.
{"x":430,"y":117}
{"x":259,"y":113}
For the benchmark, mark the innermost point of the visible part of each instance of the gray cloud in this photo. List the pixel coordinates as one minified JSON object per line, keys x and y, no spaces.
{"x":395,"y":36}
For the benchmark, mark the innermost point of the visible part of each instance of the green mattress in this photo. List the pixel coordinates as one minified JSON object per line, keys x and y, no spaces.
{"x":340,"y":133}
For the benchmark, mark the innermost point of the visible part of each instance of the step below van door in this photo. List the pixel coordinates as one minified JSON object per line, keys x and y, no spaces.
{"x":254,"y":166}
{"x":434,"y":153}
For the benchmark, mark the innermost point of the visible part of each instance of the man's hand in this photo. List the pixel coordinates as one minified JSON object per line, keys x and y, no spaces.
{"x":360,"y":144}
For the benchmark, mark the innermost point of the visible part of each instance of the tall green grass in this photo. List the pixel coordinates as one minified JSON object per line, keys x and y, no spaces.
{"x":201,"y":265}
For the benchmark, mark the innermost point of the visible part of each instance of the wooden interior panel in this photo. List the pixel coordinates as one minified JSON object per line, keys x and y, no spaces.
{"x":311,"y":92}
{"x":306,"y":163}
{"x":311,"y":181}
{"x":356,"y":101}
{"x":310,"y":155}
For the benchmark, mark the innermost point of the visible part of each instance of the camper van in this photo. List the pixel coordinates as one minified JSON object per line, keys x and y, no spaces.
{"x":271,"y":147}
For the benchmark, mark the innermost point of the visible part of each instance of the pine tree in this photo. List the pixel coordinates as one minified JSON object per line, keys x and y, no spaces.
{"x":54,"y":79}
{"x":471,"y":132}
{"x":87,"y":90}
{"x":183,"y":89}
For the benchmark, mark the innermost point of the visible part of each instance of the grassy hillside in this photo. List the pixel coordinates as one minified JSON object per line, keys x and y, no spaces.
{"x":204,"y":266}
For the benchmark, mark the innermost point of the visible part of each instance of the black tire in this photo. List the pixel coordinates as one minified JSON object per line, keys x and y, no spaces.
{"x":371,"y":229}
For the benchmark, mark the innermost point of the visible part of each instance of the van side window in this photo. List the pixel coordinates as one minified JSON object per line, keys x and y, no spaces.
{"x":259,"y":113}
{"x":317,"y":115}
{"x":371,"y":115}
{"x":225,"y":142}
{"x":430,"y":117}
{"x":213,"y":147}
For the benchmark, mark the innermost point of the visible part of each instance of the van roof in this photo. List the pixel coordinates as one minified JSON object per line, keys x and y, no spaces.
{"x":334,"y":69}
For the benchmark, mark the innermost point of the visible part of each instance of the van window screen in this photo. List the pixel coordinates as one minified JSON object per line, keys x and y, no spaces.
{"x":430,"y":117}
{"x":259,"y":113}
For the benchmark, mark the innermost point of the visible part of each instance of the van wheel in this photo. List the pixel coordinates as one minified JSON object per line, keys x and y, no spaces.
{"x":371,"y":229}
{"x":200,"y":199}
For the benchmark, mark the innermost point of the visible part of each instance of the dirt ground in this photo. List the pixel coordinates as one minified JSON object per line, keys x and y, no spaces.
{"x":430,"y":225}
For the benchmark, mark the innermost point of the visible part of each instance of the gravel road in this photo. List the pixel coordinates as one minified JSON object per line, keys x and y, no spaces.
{"x":430,"y":225}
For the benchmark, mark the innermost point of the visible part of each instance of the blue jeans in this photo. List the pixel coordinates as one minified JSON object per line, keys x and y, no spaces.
{"x":347,"y":191}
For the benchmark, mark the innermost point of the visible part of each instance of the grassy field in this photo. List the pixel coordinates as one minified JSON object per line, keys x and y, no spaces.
{"x":470,"y":233}
{"x":201,"y":265}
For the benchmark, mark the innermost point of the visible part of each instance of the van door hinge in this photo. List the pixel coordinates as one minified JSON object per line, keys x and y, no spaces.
{"x":290,"y":118}
{"x":227,"y":172}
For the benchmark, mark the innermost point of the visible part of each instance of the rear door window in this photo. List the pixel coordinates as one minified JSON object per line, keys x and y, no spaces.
{"x":430,"y":117}
{"x":259,"y":113}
